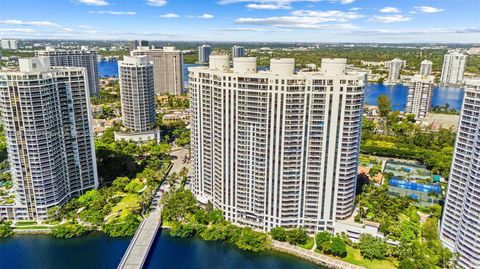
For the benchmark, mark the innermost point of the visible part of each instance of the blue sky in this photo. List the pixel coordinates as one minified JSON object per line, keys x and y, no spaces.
{"x":245,"y":20}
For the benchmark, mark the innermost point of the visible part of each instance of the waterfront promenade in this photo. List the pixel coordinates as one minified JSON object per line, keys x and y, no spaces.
{"x":137,"y":252}
{"x":313,"y":256}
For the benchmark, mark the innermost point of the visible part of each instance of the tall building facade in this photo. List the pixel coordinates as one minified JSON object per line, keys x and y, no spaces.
{"x":76,"y":58}
{"x":426,"y":68}
{"x":167,"y":68}
{"x":453,"y":68}
{"x":9,"y":44}
{"x":460,"y":227}
{"x":237,"y":51}
{"x":394,"y":68}
{"x":134,"y":44}
{"x":47,"y":124}
{"x":137,"y":96}
{"x":419,"y":98}
{"x":276,"y":148}
{"x":204,"y":52}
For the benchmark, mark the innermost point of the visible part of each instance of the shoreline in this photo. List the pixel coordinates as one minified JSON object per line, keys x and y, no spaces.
{"x":304,"y":254}
{"x":312,"y":256}
{"x":31,"y":231}
{"x":275,"y":246}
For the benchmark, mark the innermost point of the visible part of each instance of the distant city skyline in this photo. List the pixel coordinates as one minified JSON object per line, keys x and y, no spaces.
{"x":438,"y":21}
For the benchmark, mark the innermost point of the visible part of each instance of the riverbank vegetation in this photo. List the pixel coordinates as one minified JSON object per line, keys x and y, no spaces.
{"x":186,"y":219}
{"x":445,"y":109}
{"x":69,"y":229}
{"x":397,"y":136}
{"x":6,"y":229}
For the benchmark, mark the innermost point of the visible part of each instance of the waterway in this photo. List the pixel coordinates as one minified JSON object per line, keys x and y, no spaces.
{"x":397,"y":93}
{"x":102,"y":252}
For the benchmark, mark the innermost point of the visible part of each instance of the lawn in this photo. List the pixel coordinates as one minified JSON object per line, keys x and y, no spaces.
{"x":25,"y":223}
{"x":36,"y":227}
{"x":129,"y":202}
{"x":309,"y":244}
{"x":354,"y":256}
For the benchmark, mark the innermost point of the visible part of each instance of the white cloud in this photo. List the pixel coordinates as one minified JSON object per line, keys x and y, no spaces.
{"x":355,"y":9}
{"x":277,"y":2}
{"x":205,"y":16}
{"x":390,"y":18}
{"x":345,"y":2}
{"x":307,"y":19}
{"x":241,"y":29}
{"x":156,"y":3}
{"x":431,"y":31}
{"x":84,"y":26}
{"x":169,"y":16}
{"x":17,"y":30}
{"x":30,"y":23}
{"x":113,"y":12}
{"x":331,"y":15}
{"x":94,"y":2}
{"x":272,"y":6}
{"x":390,"y":10}
{"x":427,"y":9}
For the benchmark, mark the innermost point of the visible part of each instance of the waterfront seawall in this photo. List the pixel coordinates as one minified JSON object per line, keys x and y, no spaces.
{"x":312,"y":256}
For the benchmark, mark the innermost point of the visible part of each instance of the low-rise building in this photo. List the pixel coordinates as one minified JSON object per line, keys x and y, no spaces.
{"x":177,"y":116}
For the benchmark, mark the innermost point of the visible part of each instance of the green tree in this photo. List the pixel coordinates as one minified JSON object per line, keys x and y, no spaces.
{"x":297,"y":236}
{"x":6,"y":229}
{"x":279,"y":233}
{"x":215,"y":216}
{"x":323,"y":240}
{"x":134,"y":186}
{"x":120,"y":182}
{"x":182,"y":230}
{"x":124,"y":226}
{"x":252,"y":241}
{"x":54,"y":213}
{"x":215,"y":232}
{"x":178,"y":204}
{"x":338,"y":247}
{"x":409,"y":230}
{"x":69,"y":230}
{"x":368,"y":128}
{"x":384,"y":105}
{"x":372,"y":248}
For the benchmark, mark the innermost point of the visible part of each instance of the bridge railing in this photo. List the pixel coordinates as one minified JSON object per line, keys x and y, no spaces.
{"x":132,"y":244}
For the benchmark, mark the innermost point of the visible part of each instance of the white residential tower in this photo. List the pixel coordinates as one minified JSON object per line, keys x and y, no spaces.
{"x":83,"y":57}
{"x":460,"y":227}
{"x":47,"y":123}
{"x":167,"y":68}
{"x":204,"y":52}
{"x":426,"y":68}
{"x":419,"y":98}
{"x":137,"y":96}
{"x":276,"y":148}
{"x":453,"y":68}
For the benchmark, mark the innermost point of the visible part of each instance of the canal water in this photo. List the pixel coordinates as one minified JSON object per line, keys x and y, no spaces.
{"x":103,"y":252}
{"x":397,"y":93}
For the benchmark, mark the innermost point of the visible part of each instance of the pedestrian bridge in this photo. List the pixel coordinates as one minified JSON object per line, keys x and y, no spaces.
{"x":137,"y":252}
{"x":142,"y":241}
